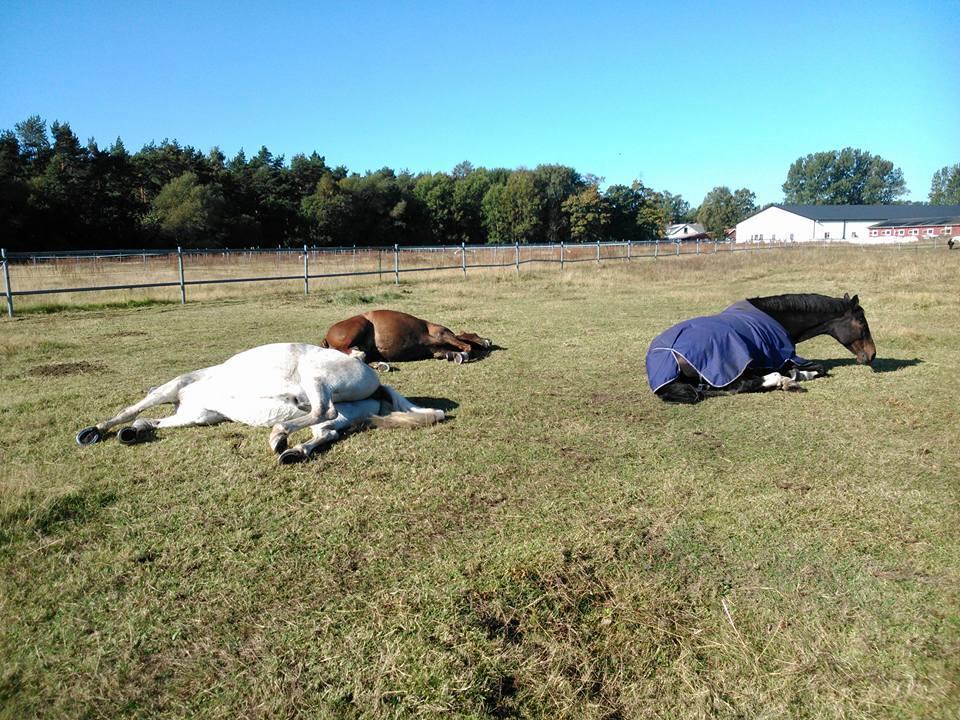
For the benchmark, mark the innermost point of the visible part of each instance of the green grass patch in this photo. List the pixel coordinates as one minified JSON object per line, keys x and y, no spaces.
{"x":565,"y":546}
{"x":57,"y":308}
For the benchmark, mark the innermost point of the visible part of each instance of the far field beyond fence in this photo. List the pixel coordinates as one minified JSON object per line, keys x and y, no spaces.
{"x":152,"y":274}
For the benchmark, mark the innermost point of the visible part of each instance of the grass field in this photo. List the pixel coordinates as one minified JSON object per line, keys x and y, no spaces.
{"x":565,"y":546}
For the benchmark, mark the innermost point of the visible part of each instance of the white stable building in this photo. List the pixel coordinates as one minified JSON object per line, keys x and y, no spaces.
{"x":845,"y":223}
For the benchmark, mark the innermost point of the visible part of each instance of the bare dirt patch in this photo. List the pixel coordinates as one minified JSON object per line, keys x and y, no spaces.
{"x":61,"y":369}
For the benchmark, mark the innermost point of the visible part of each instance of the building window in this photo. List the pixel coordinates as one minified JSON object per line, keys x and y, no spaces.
{"x":853,"y":235}
{"x":873,"y":233}
{"x":886,"y":232}
{"x":826,"y":236}
{"x":914,"y":231}
{"x":930,"y":232}
{"x":900,"y":232}
{"x":947,"y":230}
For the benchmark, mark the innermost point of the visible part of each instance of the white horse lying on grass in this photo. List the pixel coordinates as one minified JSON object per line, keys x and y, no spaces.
{"x":285,"y":386}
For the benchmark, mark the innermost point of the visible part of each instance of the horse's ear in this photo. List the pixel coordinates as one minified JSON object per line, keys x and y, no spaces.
{"x":855,"y":302}
{"x":846,"y":296}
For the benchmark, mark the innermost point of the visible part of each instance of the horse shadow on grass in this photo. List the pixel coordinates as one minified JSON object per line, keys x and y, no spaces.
{"x":879,"y":365}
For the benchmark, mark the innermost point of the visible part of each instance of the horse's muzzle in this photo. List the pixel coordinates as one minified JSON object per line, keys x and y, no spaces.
{"x":866,"y":355}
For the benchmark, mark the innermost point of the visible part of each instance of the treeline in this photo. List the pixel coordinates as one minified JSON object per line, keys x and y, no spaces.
{"x":58,"y":193}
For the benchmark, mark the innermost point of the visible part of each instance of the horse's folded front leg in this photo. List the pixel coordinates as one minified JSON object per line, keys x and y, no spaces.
{"x":776,"y":381}
{"x":141,"y":430}
{"x":458,"y":357}
{"x":166,"y":393}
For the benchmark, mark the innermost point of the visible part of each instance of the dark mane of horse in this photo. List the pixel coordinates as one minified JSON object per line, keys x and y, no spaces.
{"x":800,"y":302}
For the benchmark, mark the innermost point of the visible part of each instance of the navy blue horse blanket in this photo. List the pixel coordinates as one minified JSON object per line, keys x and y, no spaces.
{"x":720,"y":347}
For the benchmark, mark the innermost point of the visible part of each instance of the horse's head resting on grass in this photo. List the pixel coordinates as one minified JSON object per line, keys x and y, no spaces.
{"x":805,"y":316}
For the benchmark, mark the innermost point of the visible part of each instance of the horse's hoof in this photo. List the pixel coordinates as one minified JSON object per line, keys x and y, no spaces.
{"x":127,"y":435}
{"x":89,"y":436}
{"x":381,"y":367}
{"x":292,"y":457}
{"x":791,"y":385}
{"x":131,"y":434}
{"x":487,"y":343}
{"x":461,"y":357}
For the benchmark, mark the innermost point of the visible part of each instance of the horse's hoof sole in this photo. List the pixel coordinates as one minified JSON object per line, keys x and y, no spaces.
{"x":89,"y":436}
{"x":292,"y":457}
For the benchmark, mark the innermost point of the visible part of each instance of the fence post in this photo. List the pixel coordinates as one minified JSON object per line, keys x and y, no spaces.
{"x":306,"y":272}
{"x":629,"y":249}
{"x":183,"y":287}
{"x":396,"y":264}
{"x":561,"y":255}
{"x":698,"y":246}
{"x":7,"y":290}
{"x":714,"y":246}
{"x":656,"y":249}
{"x":463,"y":258}
{"x":598,"y":251}
{"x":678,"y":249}
{"x":516,"y":256}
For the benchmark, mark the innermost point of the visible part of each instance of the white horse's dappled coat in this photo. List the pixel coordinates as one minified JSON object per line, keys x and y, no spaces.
{"x":286,"y":386}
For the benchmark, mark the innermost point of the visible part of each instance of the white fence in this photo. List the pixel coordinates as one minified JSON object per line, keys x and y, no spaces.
{"x":35,"y":274}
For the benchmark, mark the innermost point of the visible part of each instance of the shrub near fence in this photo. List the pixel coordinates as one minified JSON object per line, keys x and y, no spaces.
{"x":63,"y":275}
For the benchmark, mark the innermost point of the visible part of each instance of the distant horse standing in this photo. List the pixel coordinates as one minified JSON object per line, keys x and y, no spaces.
{"x":388,"y":335}
{"x":285,"y":386}
{"x":750,"y":346}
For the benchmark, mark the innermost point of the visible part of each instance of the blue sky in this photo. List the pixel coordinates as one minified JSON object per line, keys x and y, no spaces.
{"x":683,"y":96}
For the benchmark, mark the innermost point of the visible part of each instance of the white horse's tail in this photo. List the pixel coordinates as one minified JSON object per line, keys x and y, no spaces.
{"x":410,"y":419}
{"x":399,"y":412}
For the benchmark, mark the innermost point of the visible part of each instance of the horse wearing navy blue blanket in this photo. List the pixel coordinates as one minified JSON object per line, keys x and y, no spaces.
{"x":751,"y":346}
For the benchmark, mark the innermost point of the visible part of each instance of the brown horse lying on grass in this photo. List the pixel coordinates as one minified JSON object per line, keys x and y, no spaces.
{"x":388,"y":335}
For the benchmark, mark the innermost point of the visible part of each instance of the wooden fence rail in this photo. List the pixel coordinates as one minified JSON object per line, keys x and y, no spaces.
{"x":71,"y":272}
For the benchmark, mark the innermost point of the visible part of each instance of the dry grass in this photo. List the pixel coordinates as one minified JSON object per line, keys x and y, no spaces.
{"x":566,"y":546}
{"x":221,"y":275}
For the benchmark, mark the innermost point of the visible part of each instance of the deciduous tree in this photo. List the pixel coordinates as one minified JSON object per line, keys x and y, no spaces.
{"x":588,"y":215}
{"x":511,"y":211}
{"x":722,"y":209}
{"x":945,"y":186}
{"x":186,"y":212}
{"x":843,"y":177}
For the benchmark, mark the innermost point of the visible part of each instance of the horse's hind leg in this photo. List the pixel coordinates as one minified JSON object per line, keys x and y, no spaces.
{"x":166,"y":393}
{"x":329,"y":431}
{"x":320,"y":397}
{"x":353,"y":333}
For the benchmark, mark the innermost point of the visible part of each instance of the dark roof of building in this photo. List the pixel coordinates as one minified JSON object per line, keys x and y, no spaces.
{"x":920,"y":222}
{"x":871,"y":212}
